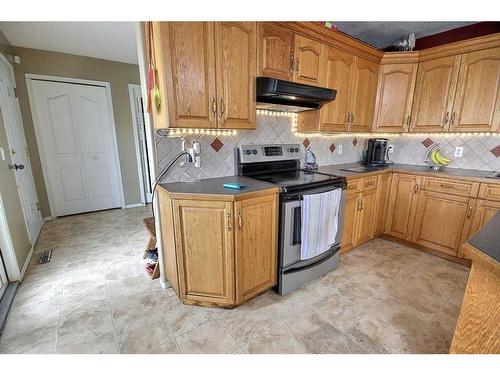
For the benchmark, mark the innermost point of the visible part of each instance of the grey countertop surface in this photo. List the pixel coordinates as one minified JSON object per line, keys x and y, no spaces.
{"x":337,"y":169}
{"x":487,"y":239}
{"x":215,"y":186}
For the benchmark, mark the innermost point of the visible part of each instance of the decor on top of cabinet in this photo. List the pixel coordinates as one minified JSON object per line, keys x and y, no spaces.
{"x":434,"y":158}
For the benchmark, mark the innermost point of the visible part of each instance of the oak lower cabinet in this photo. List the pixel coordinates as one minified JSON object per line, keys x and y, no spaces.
{"x":222,"y":252}
{"x":383,"y":192}
{"x":485,"y":210}
{"x":442,"y":221}
{"x":359,"y":215}
{"x":205,"y":73}
{"x":402,"y":205}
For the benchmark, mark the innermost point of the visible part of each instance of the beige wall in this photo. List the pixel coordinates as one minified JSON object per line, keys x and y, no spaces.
{"x":73,"y":66}
{"x":8,"y":188}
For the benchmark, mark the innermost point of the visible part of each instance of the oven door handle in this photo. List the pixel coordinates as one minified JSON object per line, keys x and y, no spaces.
{"x":300,"y":195}
{"x":322,"y":260}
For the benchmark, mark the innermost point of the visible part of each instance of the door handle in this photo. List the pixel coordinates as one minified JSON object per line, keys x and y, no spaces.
{"x":292,"y":64}
{"x":240,"y":221}
{"x":452,"y":121}
{"x":222,"y":107}
{"x":16,"y":166}
{"x":408,"y":122}
{"x":228,"y":221}
{"x":446,"y":118}
{"x":469,"y":212}
{"x":416,"y":188}
{"x":297,"y":64}
{"x":214,"y":107}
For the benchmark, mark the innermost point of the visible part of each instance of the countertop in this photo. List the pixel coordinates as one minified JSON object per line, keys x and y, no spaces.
{"x":487,"y":239}
{"x":476,"y":175}
{"x":214,"y":186}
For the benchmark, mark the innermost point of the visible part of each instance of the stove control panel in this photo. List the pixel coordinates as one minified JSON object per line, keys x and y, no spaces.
{"x":268,"y":152}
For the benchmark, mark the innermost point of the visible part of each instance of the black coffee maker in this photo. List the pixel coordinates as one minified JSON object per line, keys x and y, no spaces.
{"x":376,"y":152}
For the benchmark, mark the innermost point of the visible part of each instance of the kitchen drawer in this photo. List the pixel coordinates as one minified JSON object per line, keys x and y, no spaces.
{"x":455,"y":187}
{"x":490,"y":192}
{"x":369,"y":183}
{"x":354,"y":186}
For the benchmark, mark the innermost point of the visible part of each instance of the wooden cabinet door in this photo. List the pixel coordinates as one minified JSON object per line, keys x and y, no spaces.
{"x":383,"y":192}
{"x":256,"y":226}
{"x":276,"y":52}
{"x":442,"y":221}
{"x":236,"y":69}
{"x":484,"y":211}
{"x":189,"y":71}
{"x":350,"y":223}
{"x":364,"y":90}
{"x":204,"y":243}
{"x":434,"y":94}
{"x":396,"y":83}
{"x":339,"y":74}
{"x":310,"y":61}
{"x":366,"y":216}
{"x":477,"y":101}
{"x":402,"y":205}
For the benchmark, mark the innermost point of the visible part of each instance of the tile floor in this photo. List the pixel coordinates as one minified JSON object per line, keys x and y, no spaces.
{"x":94,"y":297}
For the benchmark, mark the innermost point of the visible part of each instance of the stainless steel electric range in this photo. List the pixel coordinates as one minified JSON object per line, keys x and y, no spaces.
{"x":280,"y":164}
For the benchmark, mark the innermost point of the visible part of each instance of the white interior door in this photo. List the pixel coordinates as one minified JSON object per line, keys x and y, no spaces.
{"x":18,"y":152}
{"x":77,"y":146}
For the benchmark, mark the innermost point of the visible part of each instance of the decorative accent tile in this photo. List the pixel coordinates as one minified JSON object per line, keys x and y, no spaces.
{"x":496,"y":151}
{"x":332,"y":147}
{"x":216,"y":144}
{"x":306,"y":142}
{"x":355,"y":142}
{"x":427,"y":142}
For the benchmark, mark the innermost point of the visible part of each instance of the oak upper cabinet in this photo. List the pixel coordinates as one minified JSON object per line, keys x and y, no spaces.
{"x":334,"y":115}
{"x":402,"y":205}
{"x":396,"y":84}
{"x":255,"y":239}
{"x":207,"y":71}
{"x":434,"y":94}
{"x":309,"y":61}
{"x":204,"y":247}
{"x":383,"y":192}
{"x":477,"y":103}
{"x":236,"y":69}
{"x":276,"y":52}
{"x":442,"y":221}
{"x":186,"y":63}
{"x":363,"y":94}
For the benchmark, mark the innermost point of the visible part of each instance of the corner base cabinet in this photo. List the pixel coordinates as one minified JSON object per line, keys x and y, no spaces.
{"x":220,"y":250}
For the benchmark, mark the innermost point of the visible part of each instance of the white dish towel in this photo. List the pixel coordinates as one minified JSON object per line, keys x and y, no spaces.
{"x":319,"y":221}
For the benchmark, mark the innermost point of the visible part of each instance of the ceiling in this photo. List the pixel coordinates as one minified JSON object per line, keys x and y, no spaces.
{"x":385,"y":34}
{"x":114,"y":41}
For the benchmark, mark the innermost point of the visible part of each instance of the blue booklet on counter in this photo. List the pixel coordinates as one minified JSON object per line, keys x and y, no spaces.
{"x":233,"y":185}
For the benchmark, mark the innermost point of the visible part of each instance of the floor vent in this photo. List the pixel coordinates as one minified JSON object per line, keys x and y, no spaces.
{"x":44,"y":257}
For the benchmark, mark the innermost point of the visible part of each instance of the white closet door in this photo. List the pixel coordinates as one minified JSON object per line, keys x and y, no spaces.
{"x":76,"y":144}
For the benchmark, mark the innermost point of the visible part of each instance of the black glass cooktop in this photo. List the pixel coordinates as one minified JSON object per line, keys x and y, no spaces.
{"x":298,"y":178}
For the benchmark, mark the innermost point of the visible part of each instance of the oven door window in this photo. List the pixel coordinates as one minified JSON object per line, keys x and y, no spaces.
{"x":296,"y":226}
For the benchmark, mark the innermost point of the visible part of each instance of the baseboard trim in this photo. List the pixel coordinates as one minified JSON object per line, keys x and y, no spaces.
{"x":26,"y":263}
{"x":133,"y":205}
{"x":427,"y":250}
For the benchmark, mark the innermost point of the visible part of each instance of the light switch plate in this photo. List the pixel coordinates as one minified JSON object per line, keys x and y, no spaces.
{"x":339,"y":149}
{"x":459,"y":152}
{"x":2,"y":153}
{"x":390,"y":149}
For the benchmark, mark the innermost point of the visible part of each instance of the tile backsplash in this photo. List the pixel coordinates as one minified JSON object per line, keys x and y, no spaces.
{"x":217,"y":152}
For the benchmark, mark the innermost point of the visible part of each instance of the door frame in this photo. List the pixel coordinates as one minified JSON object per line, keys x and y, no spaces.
{"x":140,"y":167}
{"x":9,"y":66}
{"x":7,"y":247}
{"x":36,"y":122}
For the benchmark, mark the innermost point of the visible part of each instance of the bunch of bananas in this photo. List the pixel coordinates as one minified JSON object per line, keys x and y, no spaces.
{"x":438,"y":158}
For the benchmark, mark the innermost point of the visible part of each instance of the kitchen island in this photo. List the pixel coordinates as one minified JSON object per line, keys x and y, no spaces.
{"x":478,"y":326}
{"x":219,"y":244}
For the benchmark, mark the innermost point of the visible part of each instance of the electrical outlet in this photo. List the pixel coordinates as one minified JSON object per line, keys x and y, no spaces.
{"x":390,"y":149}
{"x":339,"y":149}
{"x":459,"y":152}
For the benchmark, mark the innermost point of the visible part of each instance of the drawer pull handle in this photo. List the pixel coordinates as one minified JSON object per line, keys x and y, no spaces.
{"x":449,"y":186}
{"x":370,"y":183}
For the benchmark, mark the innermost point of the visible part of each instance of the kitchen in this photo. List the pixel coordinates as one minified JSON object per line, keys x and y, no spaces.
{"x":281,"y":127}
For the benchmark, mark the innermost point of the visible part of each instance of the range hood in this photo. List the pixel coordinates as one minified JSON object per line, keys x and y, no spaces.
{"x":278,"y":95}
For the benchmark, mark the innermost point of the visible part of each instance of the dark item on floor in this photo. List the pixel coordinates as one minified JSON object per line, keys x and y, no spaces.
{"x":152,"y":255}
{"x":149,"y":223}
{"x":44,"y":257}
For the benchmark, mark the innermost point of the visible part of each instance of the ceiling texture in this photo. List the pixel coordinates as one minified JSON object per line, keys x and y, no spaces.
{"x":114,"y":41}
{"x":386,"y":34}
